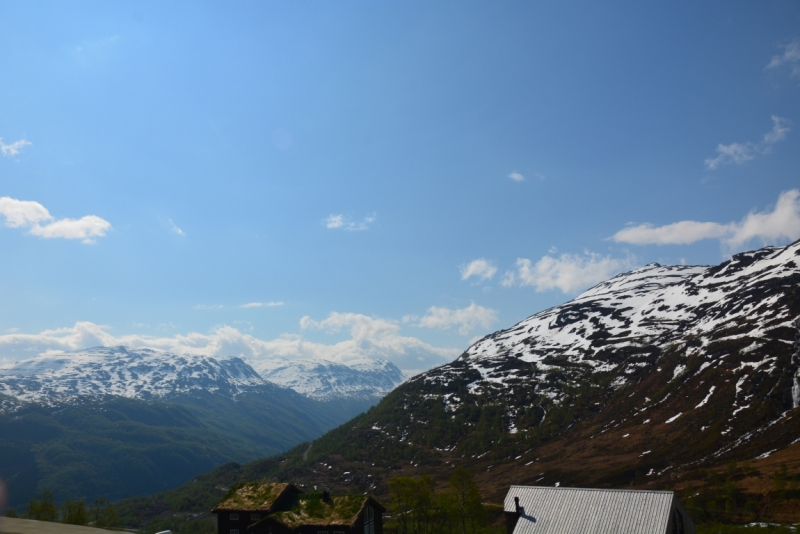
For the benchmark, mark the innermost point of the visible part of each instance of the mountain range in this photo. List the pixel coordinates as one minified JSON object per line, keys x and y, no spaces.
{"x":663,"y":377}
{"x":118,"y":421}
{"x":365,"y":380}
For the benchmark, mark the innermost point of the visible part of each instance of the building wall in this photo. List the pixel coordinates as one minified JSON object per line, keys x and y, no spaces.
{"x":688,"y":524}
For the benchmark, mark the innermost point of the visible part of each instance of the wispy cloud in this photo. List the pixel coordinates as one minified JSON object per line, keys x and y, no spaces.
{"x":517,"y":177}
{"x":261,"y":304}
{"x":790,"y":57}
{"x":369,"y":338}
{"x":14,"y":148}
{"x":568,"y":273}
{"x":780,"y":127}
{"x":738,"y":153}
{"x":175,"y":228}
{"x":466,"y":319}
{"x":481,"y":268}
{"x":770,"y":227}
{"x":31,"y":214}
{"x":208,"y":306}
{"x":679,"y":233}
{"x":342,"y":222}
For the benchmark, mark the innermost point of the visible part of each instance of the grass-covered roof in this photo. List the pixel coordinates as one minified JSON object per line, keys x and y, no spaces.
{"x":313,"y":510}
{"x":255,"y":496}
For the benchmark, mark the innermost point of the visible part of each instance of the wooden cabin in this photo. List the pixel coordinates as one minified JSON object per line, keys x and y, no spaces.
{"x":550,"y":510}
{"x":270,"y":508}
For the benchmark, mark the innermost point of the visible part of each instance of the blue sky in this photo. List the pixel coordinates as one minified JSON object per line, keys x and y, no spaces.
{"x":379,"y":179}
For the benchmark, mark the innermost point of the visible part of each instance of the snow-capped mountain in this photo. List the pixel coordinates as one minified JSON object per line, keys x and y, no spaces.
{"x":744,"y":298}
{"x":136,"y":421}
{"x":124,"y":372}
{"x":642,"y":380}
{"x":325,"y":380}
{"x":672,"y":323}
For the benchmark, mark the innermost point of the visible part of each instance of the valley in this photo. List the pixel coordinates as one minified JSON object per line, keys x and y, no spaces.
{"x":119,"y":422}
{"x":665,"y":377}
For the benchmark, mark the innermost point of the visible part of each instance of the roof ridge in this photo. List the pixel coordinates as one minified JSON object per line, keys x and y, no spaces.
{"x":594,"y":489}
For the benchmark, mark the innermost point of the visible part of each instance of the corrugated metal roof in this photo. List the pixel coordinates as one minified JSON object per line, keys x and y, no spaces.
{"x":549,"y":510}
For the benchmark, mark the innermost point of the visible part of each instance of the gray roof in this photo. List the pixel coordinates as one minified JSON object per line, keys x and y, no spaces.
{"x":549,"y":510}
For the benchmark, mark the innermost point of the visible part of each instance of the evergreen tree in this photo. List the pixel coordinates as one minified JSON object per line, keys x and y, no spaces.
{"x":413,"y":503}
{"x":468,"y":511}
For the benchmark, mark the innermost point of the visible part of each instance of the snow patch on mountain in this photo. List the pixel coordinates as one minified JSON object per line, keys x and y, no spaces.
{"x":325,"y":380}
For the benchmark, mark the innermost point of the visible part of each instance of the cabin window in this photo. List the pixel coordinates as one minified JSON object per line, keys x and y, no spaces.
{"x":234,"y":531}
{"x":338,"y":532}
{"x":234,"y":517}
{"x":322,"y":532}
{"x":255,"y":517}
{"x":369,"y":520}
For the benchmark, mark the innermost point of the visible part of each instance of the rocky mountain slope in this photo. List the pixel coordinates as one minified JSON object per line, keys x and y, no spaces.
{"x":681,"y":377}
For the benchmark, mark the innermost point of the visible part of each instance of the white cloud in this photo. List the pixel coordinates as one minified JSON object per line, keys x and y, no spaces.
{"x":261,"y":304}
{"x":569,"y":273}
{"x":208,"y":306}
{"x":481,"y":268}
{"x":738,"y":153}
{"x":369,"y":338}
{"x":517,"y":177}
{"x":345,"y":223}
{"x":86,"y":229}
{"x":782,"y":223}
{"x":27,"y":213}
{"x":466,"y":319}
{"x":770,"y":227}
{"x":14,"y":148}
{"x":509,"y":279}
{"x":679,"y":233}
{"x":176,"y":228}
{"x":20,"y":213}
{"x":779,"y":130}
{"x":790,"y":57}
{"x":334,"y":221}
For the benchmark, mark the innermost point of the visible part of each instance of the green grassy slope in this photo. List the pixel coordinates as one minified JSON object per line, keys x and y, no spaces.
{"x":119,"y":447}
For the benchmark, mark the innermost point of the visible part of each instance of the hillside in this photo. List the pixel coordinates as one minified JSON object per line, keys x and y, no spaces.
{"x":119,"y":422}
{"x":680,"y":377}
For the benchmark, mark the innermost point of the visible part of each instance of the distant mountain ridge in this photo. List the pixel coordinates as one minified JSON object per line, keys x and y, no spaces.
{"x":124,"y":372}
{"x":365,"y":380}
{"x":119,"y":421}
{"x":146,"y":374}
